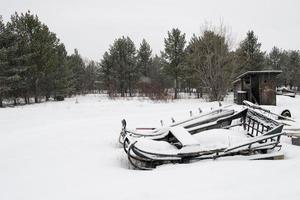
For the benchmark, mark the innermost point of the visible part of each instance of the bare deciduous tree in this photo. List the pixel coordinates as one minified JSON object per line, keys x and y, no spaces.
{"x":211,"y":59}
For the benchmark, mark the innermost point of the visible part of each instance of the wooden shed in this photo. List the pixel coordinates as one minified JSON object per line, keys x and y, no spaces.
{"x":256,"y":86}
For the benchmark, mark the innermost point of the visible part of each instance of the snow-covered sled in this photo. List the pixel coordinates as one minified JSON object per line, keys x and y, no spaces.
{"x":286,"y":92}
{"x":247,"y":132}
{"x":193,"y":125}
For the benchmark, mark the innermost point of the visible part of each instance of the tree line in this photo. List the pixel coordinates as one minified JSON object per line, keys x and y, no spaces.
{"x":34,"y":63}
{"x":206,"y":63}
{"x":35,"y":66}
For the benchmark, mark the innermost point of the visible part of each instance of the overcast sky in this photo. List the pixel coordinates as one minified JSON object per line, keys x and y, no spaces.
{"x":92,"y":25}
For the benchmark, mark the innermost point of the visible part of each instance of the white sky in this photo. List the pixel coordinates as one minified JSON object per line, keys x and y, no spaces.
{"x":92,"y":25}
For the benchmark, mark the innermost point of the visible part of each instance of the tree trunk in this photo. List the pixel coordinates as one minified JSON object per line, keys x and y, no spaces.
{"x":189,"y":88}
{"x":175,"y":95}
{"x":1,"y":104}
{"x":15,"y":101}
{"x":130,"y":89}
{"x":36,"y":93}
{"x":122,"y":89}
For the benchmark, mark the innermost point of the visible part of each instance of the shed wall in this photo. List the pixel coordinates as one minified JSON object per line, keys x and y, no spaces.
{"x":267,"y":89}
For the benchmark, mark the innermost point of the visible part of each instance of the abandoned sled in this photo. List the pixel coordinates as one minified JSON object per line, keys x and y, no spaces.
{"x":192,"y":125}
{"x":209,"y":136}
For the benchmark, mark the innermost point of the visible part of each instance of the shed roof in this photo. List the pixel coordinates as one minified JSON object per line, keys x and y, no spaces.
{"x":236,"y":81}
{"x":259,"y":72}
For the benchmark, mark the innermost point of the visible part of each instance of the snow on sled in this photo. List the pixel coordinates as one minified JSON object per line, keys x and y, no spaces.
{"x":246,"y":133}
{"x":193,"y":125}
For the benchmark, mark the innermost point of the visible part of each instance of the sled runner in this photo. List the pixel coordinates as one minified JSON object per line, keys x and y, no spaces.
{"x":247,"y":133}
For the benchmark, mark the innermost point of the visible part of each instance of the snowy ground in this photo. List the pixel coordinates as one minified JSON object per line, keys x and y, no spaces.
{"x":64,"y":150}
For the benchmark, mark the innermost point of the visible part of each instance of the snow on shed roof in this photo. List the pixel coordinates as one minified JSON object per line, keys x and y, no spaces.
{"x":260,"y":72}
{"x":236,"y":80}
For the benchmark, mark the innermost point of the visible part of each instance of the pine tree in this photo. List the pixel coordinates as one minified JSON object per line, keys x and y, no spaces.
{"x":174,"y":56}
{"x":249,"y":56}
{"x":192,"y":77}
{"x":293,"y":68}
{"x":289,"y":63}
{"x":24,"y":26}
{"x":77,"y":66}
{"x":144,"y":62}
{"x":62,"y":74}
{"x":144,"y":58}
{"x":123,"y":54}
{"x":275,"y":60}
{"x":33,"y":62}
{"x":157,"y":75}
{"x":3,"y":62}
{"x":91,"y":76}
{"x":37,"y":47}
{"x":15,"y":66}
{"x":106,"y":74}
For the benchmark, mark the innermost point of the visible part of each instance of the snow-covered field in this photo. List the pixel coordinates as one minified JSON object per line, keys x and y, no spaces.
{"x":67,"y":150}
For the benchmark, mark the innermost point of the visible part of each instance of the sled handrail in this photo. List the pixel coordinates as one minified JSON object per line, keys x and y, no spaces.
{"x":261,"y":138}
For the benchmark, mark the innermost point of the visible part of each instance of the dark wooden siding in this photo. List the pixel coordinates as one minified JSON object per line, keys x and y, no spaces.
{"x":267,"y":89}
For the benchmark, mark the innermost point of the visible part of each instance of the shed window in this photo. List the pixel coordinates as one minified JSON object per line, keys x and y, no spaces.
{"x":247,"y":80}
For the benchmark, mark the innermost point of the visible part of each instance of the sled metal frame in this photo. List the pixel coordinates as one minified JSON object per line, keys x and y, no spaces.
{"x":185,"y":123}
{"x":265,"y":134}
